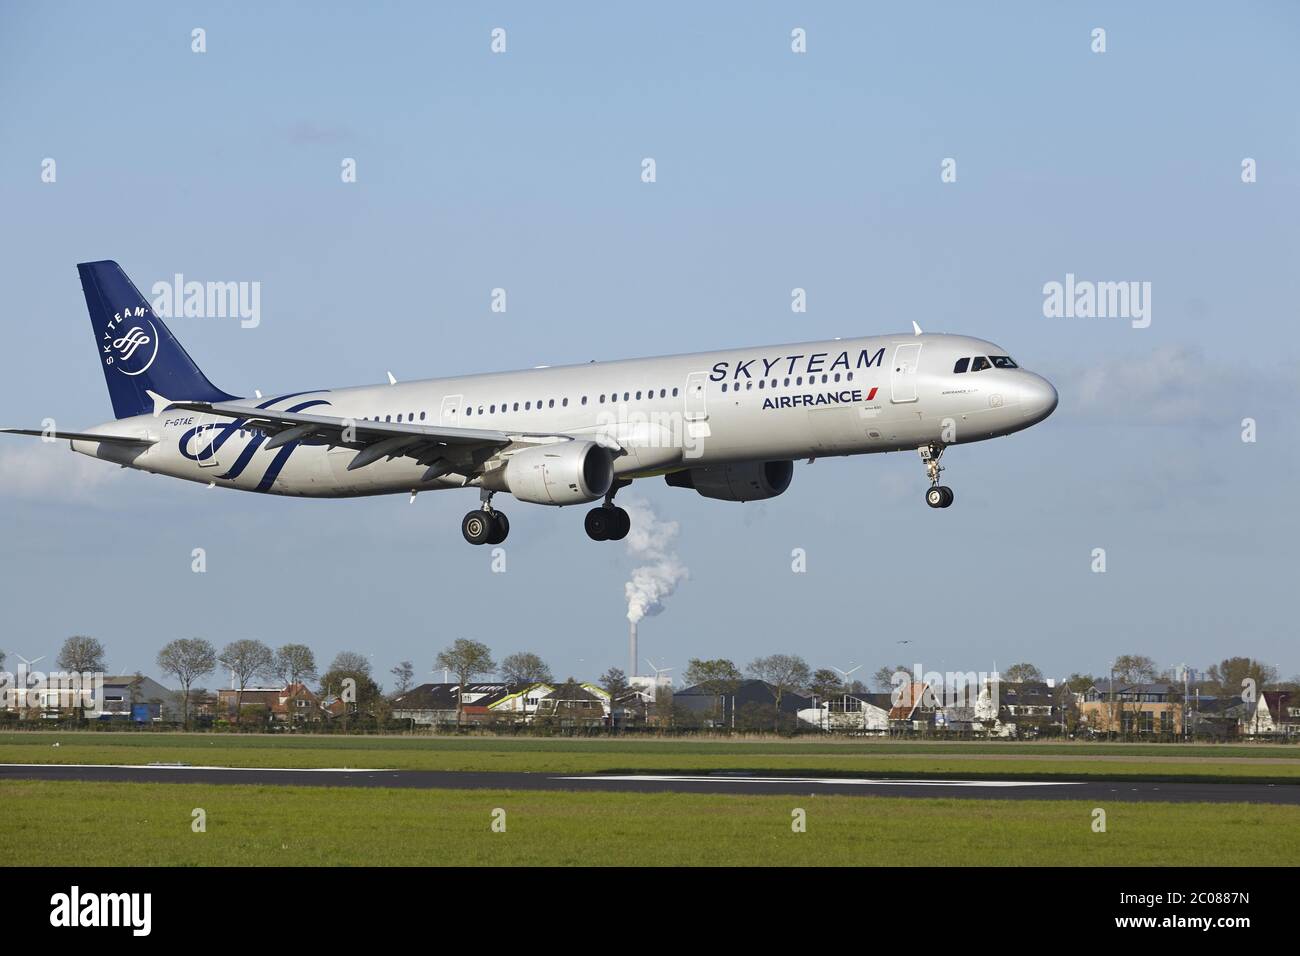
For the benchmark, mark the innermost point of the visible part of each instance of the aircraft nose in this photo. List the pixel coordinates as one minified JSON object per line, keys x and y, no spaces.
{"x":1037,"y":397}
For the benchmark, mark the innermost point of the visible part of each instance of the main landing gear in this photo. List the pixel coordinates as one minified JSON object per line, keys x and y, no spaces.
{"x":938,"y":496}
{"x":485,"y":526}
{"x":608,"y":522}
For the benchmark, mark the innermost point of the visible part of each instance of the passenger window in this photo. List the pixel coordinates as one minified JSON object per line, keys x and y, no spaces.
{"x":627,"y":396}
{"x":980,"y":364}
{"x":638,"y":396}
{"x":724,"y":386}
{"x":762,"y":382}
{"x":961,"y":366}
{"x":674,"y":393}
{"x":565,"y":403}
{"x":551,"y":403}
{"x":584,"y":399}
{"x":602,"y":398}
{"x":663,"y":393}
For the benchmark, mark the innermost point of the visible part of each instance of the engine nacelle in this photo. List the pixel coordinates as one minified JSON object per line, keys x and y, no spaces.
{"x":561,"y":473}
{"x":751,"y":481}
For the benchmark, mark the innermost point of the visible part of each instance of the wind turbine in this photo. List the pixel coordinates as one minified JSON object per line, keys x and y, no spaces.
{"x":659,"y":671}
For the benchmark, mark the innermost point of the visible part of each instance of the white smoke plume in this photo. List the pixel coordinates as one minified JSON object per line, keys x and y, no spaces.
{"x":660,"y":570}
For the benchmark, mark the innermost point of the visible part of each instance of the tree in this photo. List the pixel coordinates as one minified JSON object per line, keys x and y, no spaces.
{"x":349,"y":672}
{"x":295,"y":664}
{"x":1231,"y":672}
{"x":1019,"y":673}
{"x":525,"y":668}
{"x":614,"y":681}
{"x":466,"y":659}
{"x":1080,"y":683}
{"x":1133,"y":669}
{"x":81,"y":655}
{"x":403,"y":677}
{"x":826,"y":684}
{"x":248,"y":660}
{"x":187,"y":659}
{"x":884,"y":678}
{"x":782,"y":672}
{"x":719,"y":676}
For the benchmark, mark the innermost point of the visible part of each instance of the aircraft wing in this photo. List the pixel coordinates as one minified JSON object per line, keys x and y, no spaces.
{"x":446,"y":449}
{"x":122,"y":440}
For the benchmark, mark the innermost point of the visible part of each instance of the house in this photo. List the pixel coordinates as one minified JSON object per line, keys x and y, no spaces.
{"x":914,"y":708}
{"x":1008,"y":709}
{"x":1273,"y":714}
{"x":850,"y":712}
{"x":575,"y":705}
{"x":134,"y":697}
{"x":1133,"y":708}
{"x":520,"y":704}
{"x":436,"y":704}
{"x":750,"y":704}
{"x":291,"y":704}
{"x":1216,"y":718}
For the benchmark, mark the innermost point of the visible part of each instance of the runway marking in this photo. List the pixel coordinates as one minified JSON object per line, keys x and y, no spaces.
{"x":187,"y":766}
{"x":835,"y":781}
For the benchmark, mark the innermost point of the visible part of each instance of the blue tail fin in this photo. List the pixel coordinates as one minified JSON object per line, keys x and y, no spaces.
{"x":138,"y":352}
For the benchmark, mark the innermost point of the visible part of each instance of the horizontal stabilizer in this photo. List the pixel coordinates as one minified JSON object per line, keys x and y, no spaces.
{"x":122,"y":440}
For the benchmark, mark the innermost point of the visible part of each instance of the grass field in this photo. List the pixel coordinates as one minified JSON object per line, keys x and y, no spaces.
{"x":1240,"y":763}
{"x":96,"y":824}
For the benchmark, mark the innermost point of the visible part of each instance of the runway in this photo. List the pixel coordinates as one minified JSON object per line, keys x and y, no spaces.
{"x":719,"y":783}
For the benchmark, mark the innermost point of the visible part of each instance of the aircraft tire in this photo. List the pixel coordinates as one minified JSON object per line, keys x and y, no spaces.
{"x":597,"y":524}
{"x":500,"y":528}
{"x":477,"y":527}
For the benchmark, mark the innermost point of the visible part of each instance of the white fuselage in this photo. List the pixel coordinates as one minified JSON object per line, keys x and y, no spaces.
{"x":806,"y":400}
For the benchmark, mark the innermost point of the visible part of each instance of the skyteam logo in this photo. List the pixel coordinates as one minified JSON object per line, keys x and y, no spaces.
{"x":130,"y":343}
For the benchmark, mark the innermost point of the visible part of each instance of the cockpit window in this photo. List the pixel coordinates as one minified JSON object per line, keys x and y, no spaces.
{"x":1002,"y":361}
{"x":980,"y":364}
{"x":961,"y":366}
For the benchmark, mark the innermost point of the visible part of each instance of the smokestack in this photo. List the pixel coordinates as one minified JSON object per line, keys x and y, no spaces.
{"x":632,"y":648}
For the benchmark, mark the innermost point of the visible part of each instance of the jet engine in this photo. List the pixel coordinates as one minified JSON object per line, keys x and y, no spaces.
{"x":561,"y":473}
{"x":751,"y":481}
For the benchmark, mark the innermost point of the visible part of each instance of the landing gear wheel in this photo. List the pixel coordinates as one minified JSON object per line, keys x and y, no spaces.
{"x":622,"y":524}
{"x":947,"y":496}
{"x":599,"y":522}
{"x":935,"y":497}
{"x":500,"y":527}
{"x":477,"y":527}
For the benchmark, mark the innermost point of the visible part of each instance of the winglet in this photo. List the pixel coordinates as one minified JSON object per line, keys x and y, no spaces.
{"x":916,"y":329}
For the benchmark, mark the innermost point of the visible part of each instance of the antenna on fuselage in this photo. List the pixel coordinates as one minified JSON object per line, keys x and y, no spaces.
{"x":916,"y":329}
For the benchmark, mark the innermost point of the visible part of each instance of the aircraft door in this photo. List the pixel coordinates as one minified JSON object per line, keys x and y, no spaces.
{"x":450,"y":414}
{"x":696,"y":412}
{"x":902,"y":381}
{"x":203,"y":443}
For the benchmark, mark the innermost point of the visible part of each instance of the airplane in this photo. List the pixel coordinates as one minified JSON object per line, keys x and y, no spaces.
{"x":729,"y":424}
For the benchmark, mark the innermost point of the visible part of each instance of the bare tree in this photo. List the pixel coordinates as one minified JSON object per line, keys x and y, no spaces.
{"x":248,"y":660}
{"x":525,"y":668}
{"x":782,"y":672}
{"x":187,"y":659}
{"x":81,"y":655}
{"x":403,"y":677}
{"x":295,"y":664}
{"x":466,"y":659}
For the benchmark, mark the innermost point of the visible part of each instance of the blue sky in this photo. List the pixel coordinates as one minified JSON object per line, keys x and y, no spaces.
{"x":775,"y":171}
